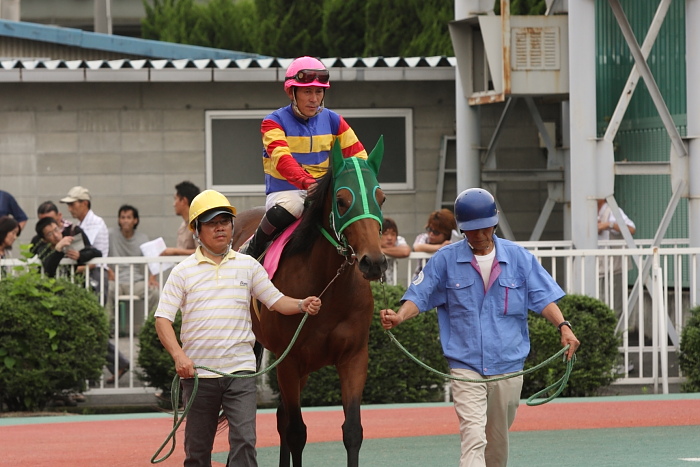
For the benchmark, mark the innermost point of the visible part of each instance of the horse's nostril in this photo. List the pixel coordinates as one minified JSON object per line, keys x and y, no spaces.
{"x":373,"y":268}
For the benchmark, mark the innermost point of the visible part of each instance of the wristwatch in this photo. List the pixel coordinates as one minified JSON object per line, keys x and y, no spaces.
{"x":563,"y":323}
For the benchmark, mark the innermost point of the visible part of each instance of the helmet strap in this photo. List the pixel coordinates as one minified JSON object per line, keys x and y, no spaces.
{"x":208,"y":250}
{"x":228,"y":248}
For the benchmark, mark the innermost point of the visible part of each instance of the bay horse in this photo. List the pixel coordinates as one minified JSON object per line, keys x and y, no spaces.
{"x":334,"y":253}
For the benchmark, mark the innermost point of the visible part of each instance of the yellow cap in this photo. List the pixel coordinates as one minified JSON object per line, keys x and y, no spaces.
{"x":207,"y":205}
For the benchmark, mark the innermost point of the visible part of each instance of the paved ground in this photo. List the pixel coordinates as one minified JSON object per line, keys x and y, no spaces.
{"x":606,"y":431}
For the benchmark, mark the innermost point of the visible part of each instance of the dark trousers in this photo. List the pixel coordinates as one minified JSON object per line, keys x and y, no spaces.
{"x":123,"y":361}
{"x":238,"y":399}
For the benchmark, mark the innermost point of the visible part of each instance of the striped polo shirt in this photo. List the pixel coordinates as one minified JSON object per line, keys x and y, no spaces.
{"x":215,"y":304}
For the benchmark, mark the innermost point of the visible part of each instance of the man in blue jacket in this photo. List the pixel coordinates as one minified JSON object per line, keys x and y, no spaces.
{"x":483,"y":287}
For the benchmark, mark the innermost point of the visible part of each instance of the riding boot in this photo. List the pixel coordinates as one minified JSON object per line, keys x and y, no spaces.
{"x":275,"y":220}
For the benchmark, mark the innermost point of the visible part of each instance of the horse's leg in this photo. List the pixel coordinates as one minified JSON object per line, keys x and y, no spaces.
{"x":353,"y":375}
{"x":282,"y":423}
{"x":290,"y":426}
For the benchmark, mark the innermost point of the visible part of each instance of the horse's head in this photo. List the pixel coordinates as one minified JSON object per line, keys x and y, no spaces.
{"x":356,"y":215}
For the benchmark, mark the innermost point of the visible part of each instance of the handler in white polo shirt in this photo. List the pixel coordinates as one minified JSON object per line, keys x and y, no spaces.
{"x":212,"y":288}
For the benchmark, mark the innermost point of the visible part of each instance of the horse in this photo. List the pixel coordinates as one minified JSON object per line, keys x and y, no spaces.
{"x":334,"y":253}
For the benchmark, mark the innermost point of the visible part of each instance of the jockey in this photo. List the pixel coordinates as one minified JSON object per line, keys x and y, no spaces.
{"x":297,"y":140}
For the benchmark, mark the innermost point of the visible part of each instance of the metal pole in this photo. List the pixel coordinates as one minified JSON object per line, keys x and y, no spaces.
{"x":467,"y":120}
{"x":692,"y":63}
{"x":583,"y":161}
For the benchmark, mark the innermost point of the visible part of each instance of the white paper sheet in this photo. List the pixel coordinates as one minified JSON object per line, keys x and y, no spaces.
{"x":155,"y":248}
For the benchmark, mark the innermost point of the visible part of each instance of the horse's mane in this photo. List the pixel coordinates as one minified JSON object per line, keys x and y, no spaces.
{"x":307,"y":233}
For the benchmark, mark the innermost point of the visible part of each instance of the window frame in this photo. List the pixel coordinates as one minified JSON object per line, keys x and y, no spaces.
{"x":259,"y":114}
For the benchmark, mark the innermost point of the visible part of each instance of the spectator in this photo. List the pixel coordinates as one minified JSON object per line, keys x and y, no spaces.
{"x":483,"y":288}
{"x":10,"y":207}
{"x":9,"y":230}
{"x":80,"y":206}
{"x":49,"y":209}
{"x":439,"y":231}
{"x":126,"y":241}
{"x":212,"y":289}
{"x":393,"y":246}
{"x":609,"y":229}
{"x":185,"y":192}
{"x":50,"y":230}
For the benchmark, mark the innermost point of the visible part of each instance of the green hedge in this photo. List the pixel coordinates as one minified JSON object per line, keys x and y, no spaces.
{"x":690,"y":352}
{"x":594,"y":325}
{"x":54,"y":338}
{"x":393,"y":377}
{"x":158,"y":367}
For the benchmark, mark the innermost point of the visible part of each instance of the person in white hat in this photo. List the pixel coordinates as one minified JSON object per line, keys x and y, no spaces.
{"x":79,"y":204}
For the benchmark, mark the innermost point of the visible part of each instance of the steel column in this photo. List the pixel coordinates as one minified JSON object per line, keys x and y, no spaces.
{"x":583,"y":163}
{"x":692,"y":54}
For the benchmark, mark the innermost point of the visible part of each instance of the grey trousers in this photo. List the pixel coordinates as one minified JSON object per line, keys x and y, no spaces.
{"x":237,"y":397}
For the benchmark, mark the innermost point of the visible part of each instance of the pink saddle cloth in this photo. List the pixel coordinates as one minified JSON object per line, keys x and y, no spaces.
{"x":272,"y":257}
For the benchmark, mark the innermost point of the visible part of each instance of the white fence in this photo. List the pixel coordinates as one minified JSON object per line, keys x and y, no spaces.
{"x":650,"y":322}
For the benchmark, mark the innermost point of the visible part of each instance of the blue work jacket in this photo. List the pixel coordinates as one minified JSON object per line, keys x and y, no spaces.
{"x":484,"y":329}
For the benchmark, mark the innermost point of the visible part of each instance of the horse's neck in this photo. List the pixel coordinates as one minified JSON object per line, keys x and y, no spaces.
{"x":325,"y":256}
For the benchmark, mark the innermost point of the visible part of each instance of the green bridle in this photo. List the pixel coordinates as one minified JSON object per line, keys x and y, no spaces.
{"x":359,"y":177}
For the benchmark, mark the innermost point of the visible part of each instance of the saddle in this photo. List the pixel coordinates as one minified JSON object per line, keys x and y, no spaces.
{"x":271,"y":256}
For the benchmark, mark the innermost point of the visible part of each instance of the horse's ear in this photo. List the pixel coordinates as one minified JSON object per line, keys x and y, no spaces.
{"x":336,"y":158}
{"x":375,"y":157}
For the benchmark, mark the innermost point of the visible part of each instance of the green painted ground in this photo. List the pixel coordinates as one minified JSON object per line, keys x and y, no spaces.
{"x":618,"y":447}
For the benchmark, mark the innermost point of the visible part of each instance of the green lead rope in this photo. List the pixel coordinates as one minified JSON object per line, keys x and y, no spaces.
{"x":559,"y":385}
{"x":175,"y":393}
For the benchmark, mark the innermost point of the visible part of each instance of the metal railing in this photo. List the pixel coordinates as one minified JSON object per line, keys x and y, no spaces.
{"x":127,"y":312}
{"x":652,"y":307}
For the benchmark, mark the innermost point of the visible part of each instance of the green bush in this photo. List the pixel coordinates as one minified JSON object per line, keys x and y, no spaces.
{"x":690,"y":352}
{"x":156,"y":362}
{"x":54,"y":338}
{"x":392,"y":377}
{"x":596,"y":358}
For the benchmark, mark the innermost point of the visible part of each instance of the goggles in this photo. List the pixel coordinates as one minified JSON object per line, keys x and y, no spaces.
{"x":309,"y":76}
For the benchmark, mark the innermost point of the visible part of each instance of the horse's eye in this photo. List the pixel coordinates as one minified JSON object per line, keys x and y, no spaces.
{"x":343,"y":200}
{"x":381,"y":198}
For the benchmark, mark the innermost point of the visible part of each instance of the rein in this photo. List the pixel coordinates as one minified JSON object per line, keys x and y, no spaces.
{"x":558,"y":385}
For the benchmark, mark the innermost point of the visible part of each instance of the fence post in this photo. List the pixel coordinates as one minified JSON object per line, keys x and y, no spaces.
{"x":660,"y":315}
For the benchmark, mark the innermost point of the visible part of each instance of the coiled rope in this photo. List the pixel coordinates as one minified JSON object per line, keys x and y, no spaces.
{"x":175,"y":386}
{"x":175,"y":393}
{"x":559,"y":385}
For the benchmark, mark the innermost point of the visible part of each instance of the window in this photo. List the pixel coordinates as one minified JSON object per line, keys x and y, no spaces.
{"x":234,"y":147}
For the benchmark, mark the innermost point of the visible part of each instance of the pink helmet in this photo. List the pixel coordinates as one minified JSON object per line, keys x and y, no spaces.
{"x":306,"y":71}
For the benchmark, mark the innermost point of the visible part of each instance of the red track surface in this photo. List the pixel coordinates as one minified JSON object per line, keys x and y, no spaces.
{"x":133,"y":442}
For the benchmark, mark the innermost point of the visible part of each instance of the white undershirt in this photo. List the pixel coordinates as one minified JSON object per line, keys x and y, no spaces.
{"x":485,"y":264}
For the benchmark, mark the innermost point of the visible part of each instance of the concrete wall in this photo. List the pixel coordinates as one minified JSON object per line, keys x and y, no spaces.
{"x":131,"y":143}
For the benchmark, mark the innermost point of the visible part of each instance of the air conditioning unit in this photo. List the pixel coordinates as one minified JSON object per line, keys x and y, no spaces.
{"x":498,"y":57}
